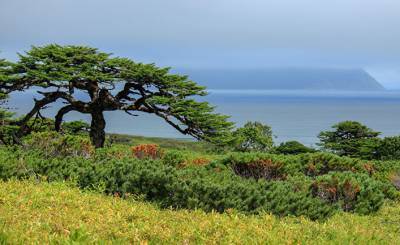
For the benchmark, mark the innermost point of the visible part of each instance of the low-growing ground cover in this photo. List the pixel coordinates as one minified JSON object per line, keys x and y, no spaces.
{"x":41,"y":212}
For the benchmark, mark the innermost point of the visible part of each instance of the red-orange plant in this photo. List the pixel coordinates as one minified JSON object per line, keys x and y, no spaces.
{"x":369,"y":167}
{"x":200,"y":161}
{"x":151,"y":151}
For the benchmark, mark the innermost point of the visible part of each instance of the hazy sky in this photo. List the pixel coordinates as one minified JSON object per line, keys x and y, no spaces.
{"x":217,"y":33}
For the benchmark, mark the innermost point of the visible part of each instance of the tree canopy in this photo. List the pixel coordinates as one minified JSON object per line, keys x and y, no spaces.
{"x":349,"y":138}
{"x":253,"y":136}
{"x":112,"y":83}
{"x":292,"y":148}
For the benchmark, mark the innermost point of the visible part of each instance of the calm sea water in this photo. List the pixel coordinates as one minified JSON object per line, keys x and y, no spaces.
{"x":293,"y":115}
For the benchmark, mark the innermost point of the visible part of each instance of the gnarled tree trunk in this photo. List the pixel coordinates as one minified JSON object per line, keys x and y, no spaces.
{"x":97,"y":126}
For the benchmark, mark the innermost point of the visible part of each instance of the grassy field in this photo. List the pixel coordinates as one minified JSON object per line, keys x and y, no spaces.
{"x":60,"y":213}
{"x":167,"y":143}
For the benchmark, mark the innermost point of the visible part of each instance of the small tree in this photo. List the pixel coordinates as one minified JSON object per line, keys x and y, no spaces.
{"x":389,"y":148}
{"x":293,"y":148}
{"x":349,"y":138}
{"x":253,"y":136}
{"x":76,"y":127}
{"x":113,"y":83}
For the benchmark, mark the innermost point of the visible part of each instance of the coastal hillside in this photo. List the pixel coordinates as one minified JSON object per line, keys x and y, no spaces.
{"x":285,"y":79}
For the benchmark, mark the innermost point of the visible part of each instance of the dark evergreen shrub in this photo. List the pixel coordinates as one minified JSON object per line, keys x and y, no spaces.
{"x":321,"y":163}
{"x":286,"y":165}
{"x":260,"y":169}
{"x":353,"y":192}
{"x":173,"y":158}
{"x":389,"y":148}
{"x":216,"y":186}
{"x":293,"y":148}
{"x":53,"y":144}
{"x":192,"y":187}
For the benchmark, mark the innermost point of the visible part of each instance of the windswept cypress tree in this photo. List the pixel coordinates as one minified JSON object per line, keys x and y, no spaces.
{"x":113,"y":83}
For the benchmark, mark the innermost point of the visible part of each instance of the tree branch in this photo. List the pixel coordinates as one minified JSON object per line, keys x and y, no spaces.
{"x":60,"y":115}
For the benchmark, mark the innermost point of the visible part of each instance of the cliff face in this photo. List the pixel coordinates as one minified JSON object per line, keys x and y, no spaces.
{"x":285,"y":79}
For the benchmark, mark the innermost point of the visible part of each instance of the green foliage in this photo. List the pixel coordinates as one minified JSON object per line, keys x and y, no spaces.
{"x":353,"y":192}
{"x":315,"y":185}
{"x":7,"y":134}
{"x":75,"y":127}
{"x":310,"y":164}
{"x":200,"y":187}
{"x":260,"y":169}
{"x":173,"y":158}
{"x":5,"y":115}
{"x":389,"y":148}
{"x":350,"y":138}
{"x":54,"y":144}
{"x":6,"y":71}
{"x":293,"y":148}
{"x":321,"y":163}
{"x":253,"y":136}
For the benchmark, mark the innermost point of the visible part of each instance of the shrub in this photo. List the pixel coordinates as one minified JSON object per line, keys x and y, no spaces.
{"x":200,"y":188}
{"x":53,"y":144}
{"x":32,"y":163}
{"x":291,"y":165}
{"x":389,"y":148}
{"x":293,"y":148}
{"x":144,"y":151}
{"x":112,"y":152}
{"x":353,"y":192}
{"x":191,"y":187}
{"x":173,"y":158}
{"x":211,"y":187}
{"x":322,"y":163}
{"x":260,"y":169}
{"x":220,"y":191}
{"x":76,"y":127}
{"x":8,"y":134}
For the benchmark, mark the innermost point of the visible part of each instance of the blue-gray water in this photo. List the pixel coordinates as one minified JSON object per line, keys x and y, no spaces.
{"x":293,"y":115}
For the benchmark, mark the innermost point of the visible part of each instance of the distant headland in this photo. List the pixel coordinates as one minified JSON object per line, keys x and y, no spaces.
{"x":286,"y":79}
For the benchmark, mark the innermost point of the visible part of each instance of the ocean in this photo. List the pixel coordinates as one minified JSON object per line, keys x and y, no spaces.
{"x":293,"y":115}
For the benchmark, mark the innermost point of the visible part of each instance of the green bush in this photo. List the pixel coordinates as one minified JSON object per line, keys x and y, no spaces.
{"x":289,"y":165}
{"x":53,"y":144}
{"x":389,"y":148}
{"x":24,"y":164}
{"x":353,"y":192}
{"x":194,"y":187}
{"x":279,"y":187}
{"x":173,"y":158}
{"x":310,"y":164}
{"x":293,"y":148}
{"x":75,"y":127}
{"x":260,"y":169}
{"x":322,"y":163}
{"x":201,"y":188}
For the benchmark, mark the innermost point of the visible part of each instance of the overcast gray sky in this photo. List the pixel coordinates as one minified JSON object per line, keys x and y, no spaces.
{"x":217,"y":33}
